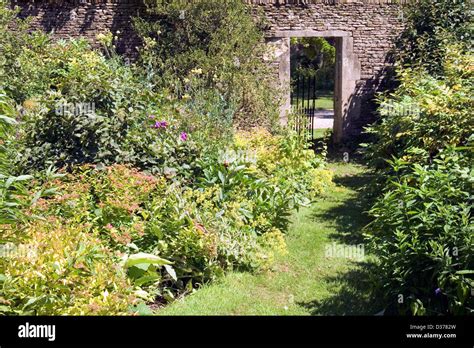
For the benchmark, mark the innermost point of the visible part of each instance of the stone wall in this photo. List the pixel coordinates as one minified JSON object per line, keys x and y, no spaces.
{"x":369,"y":28}
{"x":86,"y":18}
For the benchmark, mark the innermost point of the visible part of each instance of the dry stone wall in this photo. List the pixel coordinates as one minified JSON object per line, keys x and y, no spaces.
{"x":86,"y":18}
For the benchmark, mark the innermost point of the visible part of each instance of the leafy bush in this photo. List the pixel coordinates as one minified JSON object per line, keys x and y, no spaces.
{"x":99,"y":112}
{"x":286,"y":160}
{"x":422,"y":156}
{"x":425,"y":112}
{"x":80,"y":105}
{"x":74,"y":111}
{"x":14,"y":196}
{"x":58,"y":268}
{"x":221,"y":43}
{"x":430,"y":26}
{"x":423,"y":235}
{"x":7,"y":123}
{"x":8,"y":201}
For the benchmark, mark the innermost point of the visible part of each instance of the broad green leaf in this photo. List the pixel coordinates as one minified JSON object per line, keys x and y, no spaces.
{"x":171,"y":272}
{"x":136,"y":259}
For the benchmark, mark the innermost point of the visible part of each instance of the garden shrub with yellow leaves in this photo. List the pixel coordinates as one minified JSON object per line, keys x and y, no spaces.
{"x":58,"y":268}
{"x":426,"y":112}
{"x":285,"y":158}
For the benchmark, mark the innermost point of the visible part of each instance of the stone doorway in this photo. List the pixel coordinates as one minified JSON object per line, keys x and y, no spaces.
{"x":347,"y":73}
{"x":312,"y":83}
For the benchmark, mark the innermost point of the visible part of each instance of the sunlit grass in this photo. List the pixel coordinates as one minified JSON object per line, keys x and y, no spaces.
{"x":304,"y":282}
{"x":323,"y":101}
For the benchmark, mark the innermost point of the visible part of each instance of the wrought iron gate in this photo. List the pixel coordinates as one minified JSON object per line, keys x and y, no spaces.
{"x":303,"y":103}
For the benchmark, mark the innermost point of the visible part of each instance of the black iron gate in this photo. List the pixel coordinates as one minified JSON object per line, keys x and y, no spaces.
{"x":303,"y":104}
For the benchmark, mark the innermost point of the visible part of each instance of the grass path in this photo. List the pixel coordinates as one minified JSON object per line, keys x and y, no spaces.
{"x":304,"y":282}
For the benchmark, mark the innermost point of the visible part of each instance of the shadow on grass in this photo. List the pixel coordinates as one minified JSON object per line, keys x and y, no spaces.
{"x":352,"y":293}
{"x":349,"y":217}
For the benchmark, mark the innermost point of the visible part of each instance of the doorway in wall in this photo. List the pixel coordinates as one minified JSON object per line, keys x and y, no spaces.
{"x":313,"y":84}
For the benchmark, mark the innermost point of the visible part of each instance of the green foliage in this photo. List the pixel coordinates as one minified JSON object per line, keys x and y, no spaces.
{"x":174,"y":236}
{"x":423,"y":235}
{"x":95,"y":112}
{"x":121,"y":98}
{"x":218,"y":42}
{"x":430,"y":26}
{"x":422,"y":155}
{"x":425,"y":112}
{"x":7,"y":124}
{"x":58,"y":268}
{"x":64,"y":78}
{"x":12,"y":190}
{"x":11,"y":43}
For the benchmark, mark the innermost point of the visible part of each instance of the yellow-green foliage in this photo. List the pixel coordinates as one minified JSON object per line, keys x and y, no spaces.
{"x":272,"y":244}
{"x":62,"y":269}
{"x":425,"y":112}
{"x":284,"y":158}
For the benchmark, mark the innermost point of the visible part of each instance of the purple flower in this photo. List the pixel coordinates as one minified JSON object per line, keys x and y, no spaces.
{"x":184,"y":136}
{"x":151,"y":116}
{"x":438,"y":291}
{"x":158,"y":124}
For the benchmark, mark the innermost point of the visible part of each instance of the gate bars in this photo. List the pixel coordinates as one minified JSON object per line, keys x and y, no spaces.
{"x":303,"y":102}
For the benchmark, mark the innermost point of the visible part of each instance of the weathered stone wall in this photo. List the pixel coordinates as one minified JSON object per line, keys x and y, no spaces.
{"x":86,"y":18}
{"x":369,"y":28}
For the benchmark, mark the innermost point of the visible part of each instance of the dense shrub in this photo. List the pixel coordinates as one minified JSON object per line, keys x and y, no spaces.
{"x":221,"y":42}
{"x":57,"y":268}
{"x":422,"y":156}
{"x":10,"y":187}
{"x":430,"y":26}
{"x":286,"y":160}
{"x":98,"y":114}
{"x":423,"y":235}
{"x":74,"y":111}
{"x":426,"y":112}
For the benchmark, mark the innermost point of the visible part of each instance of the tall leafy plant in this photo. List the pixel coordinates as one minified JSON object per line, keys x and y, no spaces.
{"x":220,"y":44}
{"x":422,"y":155}
{"x":12,"y":188}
